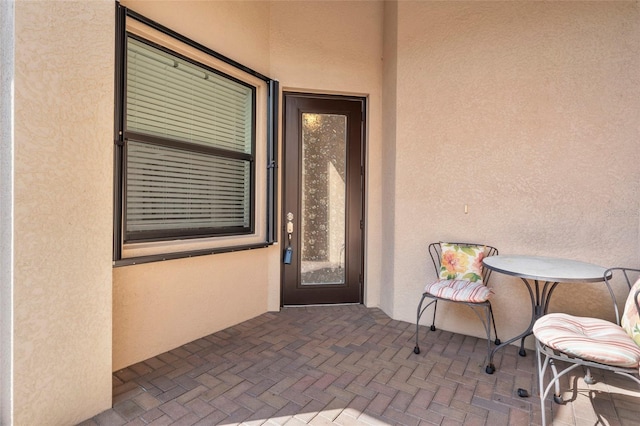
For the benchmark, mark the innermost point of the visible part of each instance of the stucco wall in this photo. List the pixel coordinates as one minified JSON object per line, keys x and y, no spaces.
{"x":527,"y":112}
{"x":7,"y":57}
{"x":388,"y":163}
{"x":336,"y":47}
{"x":159,"y":306}
{"x":63,"y":121}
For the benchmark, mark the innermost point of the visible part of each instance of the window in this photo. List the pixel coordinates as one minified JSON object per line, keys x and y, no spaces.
{"x":194,"y":159}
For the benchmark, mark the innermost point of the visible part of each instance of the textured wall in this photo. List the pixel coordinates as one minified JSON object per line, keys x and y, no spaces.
{"x":6,"y":208}
{"x":336,"y":47}
{"x":62,"y":210}
{"x":159,"y":306}
{"x":527,"y":112}
{"x":239,"y":30}
{"x":388,"y":163}
{"x":517,"y":110}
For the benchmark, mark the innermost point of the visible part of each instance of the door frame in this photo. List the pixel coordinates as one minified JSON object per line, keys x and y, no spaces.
{"x":362,"y":192}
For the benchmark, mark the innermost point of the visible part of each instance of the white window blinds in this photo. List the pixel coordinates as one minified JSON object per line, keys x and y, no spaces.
{"x":169,"y":188}
{"x":168,"y":96}
{"x":189,"y":148}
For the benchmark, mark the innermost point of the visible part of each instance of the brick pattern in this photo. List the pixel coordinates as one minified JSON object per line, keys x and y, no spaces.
{"x":346,"y":365}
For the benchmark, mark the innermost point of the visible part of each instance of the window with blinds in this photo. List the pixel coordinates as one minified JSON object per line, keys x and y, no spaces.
{"x":189,"y":148}
{"x":195,"y":161}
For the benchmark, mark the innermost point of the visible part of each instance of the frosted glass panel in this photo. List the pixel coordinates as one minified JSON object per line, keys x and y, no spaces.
{"x":323,"y":199}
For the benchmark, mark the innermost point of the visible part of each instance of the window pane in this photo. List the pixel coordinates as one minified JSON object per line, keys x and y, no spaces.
{"x":195,"y":173}
{"x":323,"y":224}
{"x":170,"y":97}
{"x":173,"y":189}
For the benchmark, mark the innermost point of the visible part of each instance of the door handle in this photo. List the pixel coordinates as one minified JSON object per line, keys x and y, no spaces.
{"x":289,"y":224}
{"x":288,"y":252}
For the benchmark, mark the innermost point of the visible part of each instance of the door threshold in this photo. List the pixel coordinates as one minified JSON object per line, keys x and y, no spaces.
{"x":322,"y":304}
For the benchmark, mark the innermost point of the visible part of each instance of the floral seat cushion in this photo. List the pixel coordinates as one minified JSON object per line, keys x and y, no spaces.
{"x":592,"y":339}
{"x":459,"y":290}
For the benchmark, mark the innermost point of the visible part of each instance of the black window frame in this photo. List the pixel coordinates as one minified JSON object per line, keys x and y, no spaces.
{"x":122,"y":136}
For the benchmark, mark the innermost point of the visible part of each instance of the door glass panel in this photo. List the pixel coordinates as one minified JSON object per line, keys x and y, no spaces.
{"x":323,"y":196}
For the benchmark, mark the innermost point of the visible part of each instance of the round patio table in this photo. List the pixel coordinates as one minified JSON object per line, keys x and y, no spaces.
{"x":541,"y":276}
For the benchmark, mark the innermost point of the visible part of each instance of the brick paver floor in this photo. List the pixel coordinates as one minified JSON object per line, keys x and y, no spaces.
{"x":349,"y":365}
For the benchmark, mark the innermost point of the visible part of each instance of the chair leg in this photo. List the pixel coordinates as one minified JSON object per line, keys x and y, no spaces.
{"x":421,"y":310}
{"x":416,"y":350}
{"x":433,"y":322}
{"x":557,"y":397}
{"x":487,"y":327}
{"x":522,"y":351}
{"x":588,"y":378}
{"x":554,"y":381}
{"x":542,"y":368}
{"x":491,"y":321}
{"x":495,"y":331}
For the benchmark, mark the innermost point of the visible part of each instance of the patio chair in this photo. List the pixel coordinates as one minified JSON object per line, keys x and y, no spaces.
{"x":591,"y":342}
{"x":460,"y":278}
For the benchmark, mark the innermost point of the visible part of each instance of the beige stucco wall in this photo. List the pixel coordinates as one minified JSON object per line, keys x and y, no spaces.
{"x":63,"y":121}
{"x":159,"y":306}
{"x":388,"y":149}
{"x":7,"y":60}
{"x":336,"y":47}
{"x":528,"y":112}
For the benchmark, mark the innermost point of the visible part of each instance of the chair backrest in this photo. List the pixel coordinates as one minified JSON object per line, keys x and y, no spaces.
{"x":435,"y":251}
{"x":630,"y":278}
{"x":630,"y":320}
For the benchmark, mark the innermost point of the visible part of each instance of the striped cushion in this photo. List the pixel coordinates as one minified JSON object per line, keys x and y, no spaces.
{"x":459,"y":290}
{"x":592,"y":339}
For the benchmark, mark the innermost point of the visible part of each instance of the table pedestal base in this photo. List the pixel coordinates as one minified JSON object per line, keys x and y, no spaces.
{"x":539,"y":304}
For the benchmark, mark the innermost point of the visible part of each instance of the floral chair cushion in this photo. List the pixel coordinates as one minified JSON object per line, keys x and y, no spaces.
{"x":592,"y":339}
{"x":459,"y":290}
{"x":461,"y":262}
{"x":630,"y":320}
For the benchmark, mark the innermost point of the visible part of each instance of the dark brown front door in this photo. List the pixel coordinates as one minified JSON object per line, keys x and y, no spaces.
{"x":323,"y":199}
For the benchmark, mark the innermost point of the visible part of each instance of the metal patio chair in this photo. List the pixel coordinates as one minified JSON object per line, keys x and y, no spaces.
{"x":460,"y":278}
{"x":591,"y":342}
